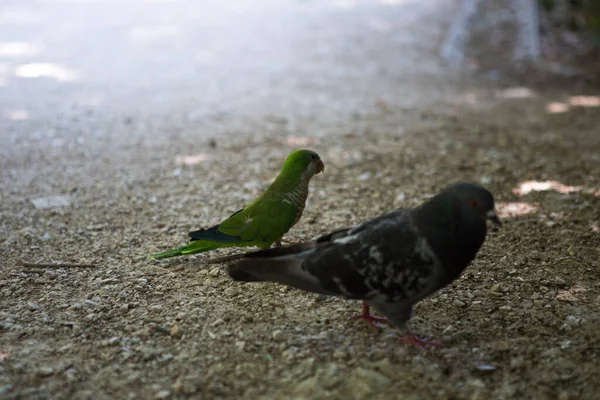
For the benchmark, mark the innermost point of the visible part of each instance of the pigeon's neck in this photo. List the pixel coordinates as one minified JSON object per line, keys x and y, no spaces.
{"x":454,"y":238}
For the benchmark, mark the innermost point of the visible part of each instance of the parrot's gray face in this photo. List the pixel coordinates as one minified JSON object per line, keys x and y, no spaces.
{"x":316,"y":166}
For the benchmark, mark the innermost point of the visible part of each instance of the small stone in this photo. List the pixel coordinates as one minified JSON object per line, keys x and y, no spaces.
{"x":51,"y":202}
{"x":277,"y":335}
{"x":91,"y":303}
{"x":485,"y":368}
{"x":516,"y":363}
{"x":373,"y":377}
{"x":124,"y":308}
{"x":495,"y":288}
{"x":45,"y":371}
{"x":306,"y":367}
{"x":458,"y":303}
{"x":339,"y":354}
{"x":176,"y":331}
{"x":240,"y":345}
{"x":572,"y":320}
{"x":33,"y":306}
{"x":113,"y":341}
{"x":560,"y":281}
{"x":215,"y":271}
{"x":501,"y":345}
{"x":163,"y":394}
{"x":564,"y":395}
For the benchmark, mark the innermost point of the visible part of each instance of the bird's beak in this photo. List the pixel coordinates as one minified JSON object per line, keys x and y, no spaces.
{"x":320,"y":166}
{"x":492,"y":216}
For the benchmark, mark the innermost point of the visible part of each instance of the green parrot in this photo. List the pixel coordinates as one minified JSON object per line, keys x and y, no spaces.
{"x":267,"y":218}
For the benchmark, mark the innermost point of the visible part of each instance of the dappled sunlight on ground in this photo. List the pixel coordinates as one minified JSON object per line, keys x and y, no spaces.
{"x":193,"y":159}
{"x":585,"y":101}
{"x":301,"y":141}
{"x":4,"y":74}
{"x":16,"y":115}
{"x":539,"y":186}
{"x":515,"y":209}
{"x":557,"y":108}
{"x":574,"y":101}
{"x":49,"y":70}
{"x":18,"y":49}
{"x":516,"y":93}
{"x":153,"y":32}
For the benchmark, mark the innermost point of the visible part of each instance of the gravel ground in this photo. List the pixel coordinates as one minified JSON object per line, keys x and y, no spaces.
{"x":106,"y":182}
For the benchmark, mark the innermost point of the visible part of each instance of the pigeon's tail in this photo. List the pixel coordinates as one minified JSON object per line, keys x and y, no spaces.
{"x":282,"y":265}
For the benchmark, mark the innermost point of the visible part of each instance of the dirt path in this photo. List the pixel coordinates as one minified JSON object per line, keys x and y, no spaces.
{"x":145,"y":134}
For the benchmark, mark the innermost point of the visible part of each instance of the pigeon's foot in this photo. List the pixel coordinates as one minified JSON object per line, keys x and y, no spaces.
{"x":278,"y":243}
{"x":419,"y":343}
{"x":369,"y":319}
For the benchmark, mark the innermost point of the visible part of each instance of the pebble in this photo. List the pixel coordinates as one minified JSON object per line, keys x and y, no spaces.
{"x":33,"y":306}
{"x":124,"y":308}
{"x":373,"y":377}
{"x":495,"y":288}
{"x":91,"y":303}
{"x":516,"y":363}
{"x":485,"y":368}
{"x":51,"y":202}
{"x":277,"y":335}
{"x":240,"y":345}
{"x":215,"y":271}
{"x":45,"y":371}
{"x":163,"y":394}
{"x":458,"y":303}
{"x":560,"y":281}
{"x":176,"y":331}
{"x":339,"y":354}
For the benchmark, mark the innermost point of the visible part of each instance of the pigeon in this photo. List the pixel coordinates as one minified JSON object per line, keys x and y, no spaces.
{"x":390,"y":262}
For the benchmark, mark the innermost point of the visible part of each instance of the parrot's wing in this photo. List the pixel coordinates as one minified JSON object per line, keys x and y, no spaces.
{"x":261,"y":222}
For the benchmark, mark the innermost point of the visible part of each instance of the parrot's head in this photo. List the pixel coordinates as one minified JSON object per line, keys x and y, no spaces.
{"x":306,"y":162}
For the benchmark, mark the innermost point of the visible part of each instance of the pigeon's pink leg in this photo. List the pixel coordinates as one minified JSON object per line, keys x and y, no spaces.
{"x":368,"y":318}
{"x":419,"y":343}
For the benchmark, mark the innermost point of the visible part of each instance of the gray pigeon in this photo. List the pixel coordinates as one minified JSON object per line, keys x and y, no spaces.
{"x":390,"y":262}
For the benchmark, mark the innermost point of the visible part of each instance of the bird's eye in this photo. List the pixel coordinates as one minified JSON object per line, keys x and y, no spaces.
{"x":314,"y":156}
{"x":474,"y":203}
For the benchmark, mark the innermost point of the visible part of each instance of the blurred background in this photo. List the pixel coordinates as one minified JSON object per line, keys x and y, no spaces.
{"x":124,"y":124}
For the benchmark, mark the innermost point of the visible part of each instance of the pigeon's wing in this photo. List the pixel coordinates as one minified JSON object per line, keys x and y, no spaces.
{"x":383,"y":260}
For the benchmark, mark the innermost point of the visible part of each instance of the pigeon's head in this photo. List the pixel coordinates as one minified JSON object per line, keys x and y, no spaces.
{"x":476,"y":201}
{"x":307,"y":162}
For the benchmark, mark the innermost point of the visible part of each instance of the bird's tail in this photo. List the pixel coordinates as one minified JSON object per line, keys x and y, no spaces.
{"x":282,"y":265}
{"x":202,"y":240}
{"x":198,"y":246}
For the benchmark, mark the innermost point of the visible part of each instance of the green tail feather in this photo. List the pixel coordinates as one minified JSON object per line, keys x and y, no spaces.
{"x":198,"y":246}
